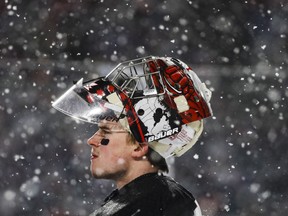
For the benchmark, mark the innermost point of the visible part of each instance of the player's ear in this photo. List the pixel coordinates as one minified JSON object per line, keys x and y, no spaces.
{"x":139,"y":150}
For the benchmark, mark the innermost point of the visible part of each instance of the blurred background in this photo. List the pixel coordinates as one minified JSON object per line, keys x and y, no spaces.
{"x":238,"y":48}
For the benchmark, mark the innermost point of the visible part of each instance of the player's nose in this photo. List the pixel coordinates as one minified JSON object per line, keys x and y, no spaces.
{"x":94,"y":140}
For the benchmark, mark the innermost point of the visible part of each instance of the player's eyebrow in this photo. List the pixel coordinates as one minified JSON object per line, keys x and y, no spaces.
{"x":104,"y":127}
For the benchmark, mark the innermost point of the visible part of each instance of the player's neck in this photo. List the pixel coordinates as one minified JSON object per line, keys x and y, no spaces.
{"x":134,"y":173}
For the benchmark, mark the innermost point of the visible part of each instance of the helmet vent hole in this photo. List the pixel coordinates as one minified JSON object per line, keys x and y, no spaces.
{"x":140,"y":112}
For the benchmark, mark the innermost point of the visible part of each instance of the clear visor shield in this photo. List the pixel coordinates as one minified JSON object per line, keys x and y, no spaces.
{"x":78,"y":103}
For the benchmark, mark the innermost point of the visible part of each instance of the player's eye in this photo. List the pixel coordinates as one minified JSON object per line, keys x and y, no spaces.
{"x":107,"y":132}
{"x":104,"y":132}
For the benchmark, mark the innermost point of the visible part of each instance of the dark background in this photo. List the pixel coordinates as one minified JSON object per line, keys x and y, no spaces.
{"x":238,"y":48}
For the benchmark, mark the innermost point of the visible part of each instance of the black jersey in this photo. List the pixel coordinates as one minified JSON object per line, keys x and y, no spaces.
{"x":150,"y":195}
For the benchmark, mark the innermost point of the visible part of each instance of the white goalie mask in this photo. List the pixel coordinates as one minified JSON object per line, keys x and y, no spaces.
{"x":159,"y":99}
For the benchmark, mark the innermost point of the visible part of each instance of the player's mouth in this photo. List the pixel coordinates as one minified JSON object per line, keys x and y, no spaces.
{"x":93,"y":156}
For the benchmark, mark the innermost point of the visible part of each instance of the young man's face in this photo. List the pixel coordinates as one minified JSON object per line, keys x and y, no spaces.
{"x":110,"y":161}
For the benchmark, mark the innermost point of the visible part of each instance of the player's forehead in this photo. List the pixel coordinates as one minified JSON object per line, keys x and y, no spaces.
{"x":110,"y":125}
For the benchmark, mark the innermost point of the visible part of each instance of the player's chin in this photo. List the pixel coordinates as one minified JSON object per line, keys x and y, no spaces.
{"x":96,"y":172}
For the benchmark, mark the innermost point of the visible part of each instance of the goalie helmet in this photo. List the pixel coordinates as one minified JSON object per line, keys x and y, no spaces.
{"x":160,"y":100}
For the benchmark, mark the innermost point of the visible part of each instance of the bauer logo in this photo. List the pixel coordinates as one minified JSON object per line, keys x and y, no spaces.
{"x":163,"y":134}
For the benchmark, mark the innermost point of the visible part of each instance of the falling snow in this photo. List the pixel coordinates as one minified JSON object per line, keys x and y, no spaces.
{"x":238,"y":48}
